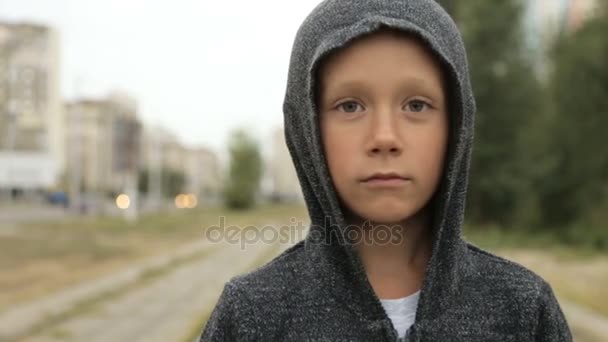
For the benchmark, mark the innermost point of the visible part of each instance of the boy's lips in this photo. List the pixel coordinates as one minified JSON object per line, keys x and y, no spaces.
{"x":385,"y":176}
{"x":386,"y":179}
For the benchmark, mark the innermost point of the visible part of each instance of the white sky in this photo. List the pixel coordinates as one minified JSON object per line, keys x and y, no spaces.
{"x":199,"y":68}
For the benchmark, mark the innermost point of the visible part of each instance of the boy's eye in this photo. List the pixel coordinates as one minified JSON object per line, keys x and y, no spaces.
{"x":350,"y":107}
{"x":416,"y":106}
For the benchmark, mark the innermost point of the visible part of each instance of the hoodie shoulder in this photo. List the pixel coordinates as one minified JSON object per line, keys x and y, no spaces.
{"x":517,"y":292}
{"x":249,"y":300}
{"x":272,"y":276}
{"x":278,"y":281}
{"x":482,"y":257}
{"x":503,"y":274}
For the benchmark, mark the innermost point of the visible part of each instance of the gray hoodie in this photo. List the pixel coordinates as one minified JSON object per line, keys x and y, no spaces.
{"x":317,"y":290}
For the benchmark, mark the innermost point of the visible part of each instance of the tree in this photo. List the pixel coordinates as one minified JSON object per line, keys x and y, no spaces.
{"x":245,"y":171}
{"x":449,"y":6}
{"x":509,"y":99}
{"x":172,"y":182}
{"x":578,"y":181}
{"x":142,"y":182}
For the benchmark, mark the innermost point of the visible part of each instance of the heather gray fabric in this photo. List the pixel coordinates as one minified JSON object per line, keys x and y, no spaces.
{"x":317,"y":290}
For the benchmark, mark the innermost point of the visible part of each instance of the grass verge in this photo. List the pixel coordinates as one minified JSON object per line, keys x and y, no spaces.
{"x":41,"y":258}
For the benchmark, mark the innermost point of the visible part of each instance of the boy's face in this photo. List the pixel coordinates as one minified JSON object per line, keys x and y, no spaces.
{"x":384,"y":123}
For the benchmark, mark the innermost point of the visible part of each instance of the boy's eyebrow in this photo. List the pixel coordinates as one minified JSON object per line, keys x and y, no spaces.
{"x":407,"y":83}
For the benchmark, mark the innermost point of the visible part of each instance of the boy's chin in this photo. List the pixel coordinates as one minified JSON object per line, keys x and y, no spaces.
{"x":392,"y":212}
{"x":384,"y":216}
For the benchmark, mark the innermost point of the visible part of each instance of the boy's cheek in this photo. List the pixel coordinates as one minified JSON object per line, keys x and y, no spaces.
{"x":342,"y":156}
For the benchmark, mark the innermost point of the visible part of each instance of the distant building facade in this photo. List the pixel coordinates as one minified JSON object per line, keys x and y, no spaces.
{"x":545,"y":20}
{"x":103,"y":142}
{"x":31,"y":116}
{"x":578,"y":11}
{"x":163,"y":152}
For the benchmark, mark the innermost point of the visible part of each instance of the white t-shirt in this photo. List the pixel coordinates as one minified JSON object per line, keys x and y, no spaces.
{"x":402,"y":311}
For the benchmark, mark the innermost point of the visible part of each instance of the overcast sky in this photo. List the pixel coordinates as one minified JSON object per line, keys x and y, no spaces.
{"x":198,"y":67}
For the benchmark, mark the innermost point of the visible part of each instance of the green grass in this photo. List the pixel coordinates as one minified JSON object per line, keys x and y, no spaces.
{"x":44,"y":257}
{"x":493,"y":237}
{"x":98,"y":238}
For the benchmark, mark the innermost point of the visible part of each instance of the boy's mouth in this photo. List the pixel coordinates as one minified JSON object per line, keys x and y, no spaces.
{"x":386,"y":179}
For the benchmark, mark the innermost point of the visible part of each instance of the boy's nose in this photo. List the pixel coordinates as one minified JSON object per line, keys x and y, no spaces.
{"x":384,"y":135}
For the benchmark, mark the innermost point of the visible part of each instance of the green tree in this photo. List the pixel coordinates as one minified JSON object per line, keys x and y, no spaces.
{"x":142,"y":181}
{"x":577,"y":187}
{"x":449,"y":6}
{"x":172,"y":182}
{"x":245,"y":171}
{"x":509,"y":107}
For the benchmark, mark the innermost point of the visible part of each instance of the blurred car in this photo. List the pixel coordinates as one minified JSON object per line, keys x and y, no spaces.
{"x":58,"y":198}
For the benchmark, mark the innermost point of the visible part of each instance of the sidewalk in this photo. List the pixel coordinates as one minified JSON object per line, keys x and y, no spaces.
{"x":167,"y":308}
{"x":587,"y":326}
{"x":25,"y":214}
{"x":18,"y":321}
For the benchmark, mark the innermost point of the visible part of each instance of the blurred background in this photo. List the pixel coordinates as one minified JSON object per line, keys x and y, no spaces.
{"x":129,"y":128}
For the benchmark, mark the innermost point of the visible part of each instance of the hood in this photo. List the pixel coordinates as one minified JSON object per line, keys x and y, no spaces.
{"x":332,"y":25}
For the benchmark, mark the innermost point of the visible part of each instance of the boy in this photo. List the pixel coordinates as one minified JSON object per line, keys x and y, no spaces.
{"x":379,"y":122}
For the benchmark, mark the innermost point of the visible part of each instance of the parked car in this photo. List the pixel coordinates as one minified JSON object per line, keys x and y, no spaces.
{"x":58,"y":198}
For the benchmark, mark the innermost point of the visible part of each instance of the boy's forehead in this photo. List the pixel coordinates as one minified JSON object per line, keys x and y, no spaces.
{"x":369,"y":42}
{"x":360,"y":54}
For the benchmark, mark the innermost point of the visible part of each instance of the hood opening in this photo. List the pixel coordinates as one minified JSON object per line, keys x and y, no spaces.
{"x":450,"y":83}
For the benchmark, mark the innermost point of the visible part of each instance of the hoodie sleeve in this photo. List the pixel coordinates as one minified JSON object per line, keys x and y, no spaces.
{"x":222,"y":323}
{"x":551,"y":325}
